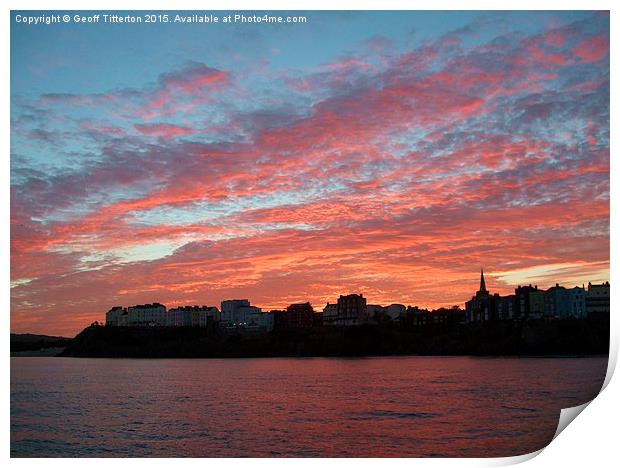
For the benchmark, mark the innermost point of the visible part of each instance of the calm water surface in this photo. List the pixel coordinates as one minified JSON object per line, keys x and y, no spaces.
{"x":373,"y":407}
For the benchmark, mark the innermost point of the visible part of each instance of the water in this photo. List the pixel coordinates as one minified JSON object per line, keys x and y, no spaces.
{"x":373,"y":407}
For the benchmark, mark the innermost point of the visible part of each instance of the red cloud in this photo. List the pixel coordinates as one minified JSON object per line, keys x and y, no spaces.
{"x":194,"y":78}
{"x":182,"y":90}
{"x":592,"y":49}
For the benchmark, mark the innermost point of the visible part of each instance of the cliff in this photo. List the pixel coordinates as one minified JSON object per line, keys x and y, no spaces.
{"x":502,"y":338}
{"x":27,"y":344}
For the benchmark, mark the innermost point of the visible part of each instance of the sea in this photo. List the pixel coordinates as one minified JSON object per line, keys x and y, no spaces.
{"x":294,"y":407}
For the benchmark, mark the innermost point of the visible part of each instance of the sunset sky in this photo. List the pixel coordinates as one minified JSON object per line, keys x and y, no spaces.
{"x":390,"y":154}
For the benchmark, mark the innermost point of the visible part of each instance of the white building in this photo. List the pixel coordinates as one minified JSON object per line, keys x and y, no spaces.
{"x":597,"y":299}
{"x":113,"y":316}
{"x":193,"y":316}
{"x":260,"y":320}
{"x":238,"y":312}
{"x":143,"y":315}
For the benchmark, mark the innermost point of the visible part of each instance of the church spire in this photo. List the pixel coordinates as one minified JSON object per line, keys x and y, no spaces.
{"x":483,"y":287}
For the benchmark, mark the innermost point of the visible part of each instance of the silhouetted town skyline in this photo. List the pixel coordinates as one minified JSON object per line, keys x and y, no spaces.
{"x":527,"y":303}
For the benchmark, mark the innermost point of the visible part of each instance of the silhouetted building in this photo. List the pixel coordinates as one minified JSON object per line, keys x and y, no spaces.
{"x":505,"y":307}
{"x":278,"y":320}
{"x":317,"y":319}
{"x":577,"y":303}
{"x":529,"y":302}
{"x":597,"y":300}
{"x":562,"y":303}
{"x":330,"y":315}
{"x":483,"y":306}
{"x":395,"y":311}
{"x":376,"y":312}
{"x":414,"y":310}
{"x":351,"y":310}
{"x":116,"y":317}
{"x":419,"y":318}
{"x":257,"y":320}
{"x":296,"y":316}
{"x":439,"y":318}
{"x":555,"y":302}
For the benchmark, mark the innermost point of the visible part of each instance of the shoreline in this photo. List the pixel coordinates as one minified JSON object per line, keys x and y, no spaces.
{"x":503,"y":339}
{"x":370,"y":356}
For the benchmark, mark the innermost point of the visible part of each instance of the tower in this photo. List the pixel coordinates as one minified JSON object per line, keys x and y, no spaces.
{"x":483,"y":287}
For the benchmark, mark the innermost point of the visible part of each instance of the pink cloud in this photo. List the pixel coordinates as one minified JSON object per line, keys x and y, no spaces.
{"x":194,"y":78}
{"x":182,"y":90}
{"x":592,"y":49}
